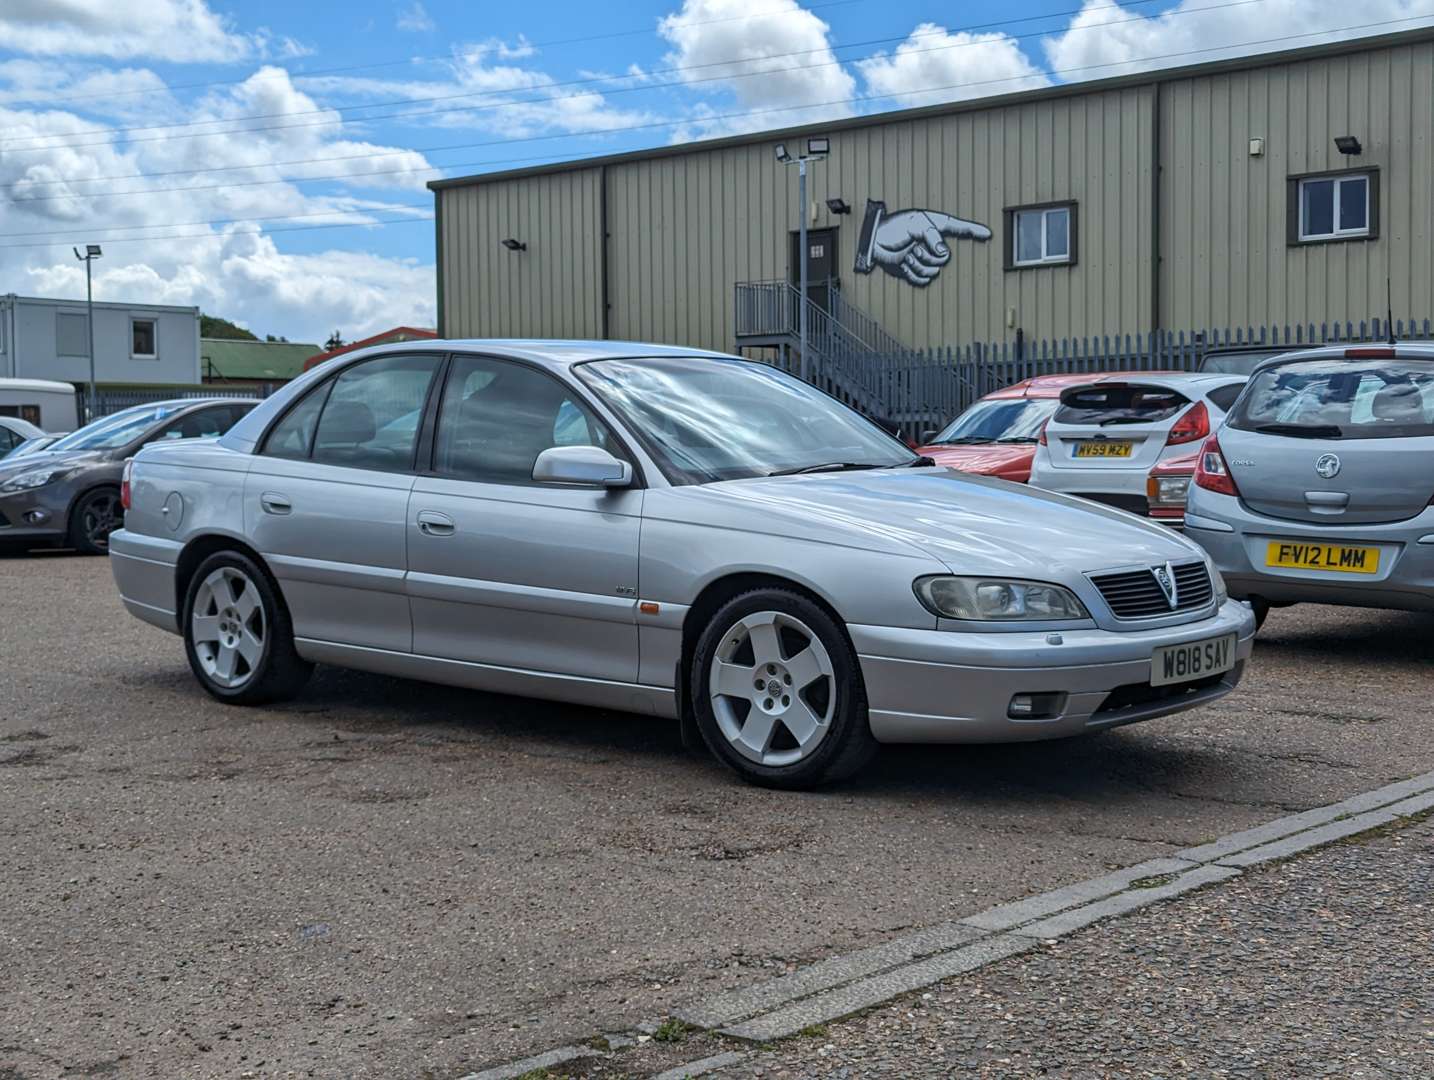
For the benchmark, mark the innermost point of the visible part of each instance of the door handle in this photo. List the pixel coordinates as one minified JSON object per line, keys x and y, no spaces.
{"x":274,"y":503}
{"x":432,"y":523}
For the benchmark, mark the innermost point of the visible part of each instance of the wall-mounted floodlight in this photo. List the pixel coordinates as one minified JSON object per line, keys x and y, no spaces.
{"x":1348,"y":144}
{"x":818,"y":146}
{"x":515,"y":245}
{"x":838,"y":206}
{"x":782,"y":154}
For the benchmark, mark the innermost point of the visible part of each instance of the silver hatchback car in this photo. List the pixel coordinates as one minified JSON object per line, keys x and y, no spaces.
{"x":1319,"y":486}
{"x":653,"y":529}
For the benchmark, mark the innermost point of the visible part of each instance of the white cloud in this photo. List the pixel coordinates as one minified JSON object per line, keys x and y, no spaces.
{"x":935,"y":65}
{"x":234,"y":270}
{"x":415,"y":19}
{"x":1105,"y":39}
{"x":750,"y":57}
{"x":180,"y":31}
{"x":485,"y":89}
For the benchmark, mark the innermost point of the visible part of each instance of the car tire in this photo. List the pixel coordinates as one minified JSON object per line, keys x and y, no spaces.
{"x":238,"y":635}
{"x":95,"y":515}
{"x":778,"y":693}
{"x":1262,"y":610}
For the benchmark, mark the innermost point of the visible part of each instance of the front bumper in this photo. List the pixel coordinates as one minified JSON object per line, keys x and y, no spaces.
{"x":940,"y":686}
{"x":39,"y":514}
{"x":1237,"y":541}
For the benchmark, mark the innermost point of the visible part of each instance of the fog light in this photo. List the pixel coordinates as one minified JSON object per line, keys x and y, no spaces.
{"x":1035,"y":706}
{"x":36,"y":517}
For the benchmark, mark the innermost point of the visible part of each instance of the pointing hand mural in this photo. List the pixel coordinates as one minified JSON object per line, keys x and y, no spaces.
{"x":911,"y":244}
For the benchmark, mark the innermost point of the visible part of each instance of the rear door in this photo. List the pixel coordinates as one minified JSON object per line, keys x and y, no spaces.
{"x":1115,"y":425}
{"x":326,"y":498}
{"x":1339,"y":441}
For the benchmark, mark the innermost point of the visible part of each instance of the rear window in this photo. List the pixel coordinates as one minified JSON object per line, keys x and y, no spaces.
{"x":1118,"y":403}
{"x":1340,"y":399}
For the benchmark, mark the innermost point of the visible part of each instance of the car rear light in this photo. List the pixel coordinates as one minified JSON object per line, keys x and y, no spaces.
{"x":1041,"y":439}
{"x":1194,"y":425}
{"x":124,"y":483}
{"x":1211,"y":472}
{"x":1369,"y":354}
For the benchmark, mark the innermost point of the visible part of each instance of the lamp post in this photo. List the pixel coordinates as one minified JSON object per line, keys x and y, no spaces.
{"x":92,"y":252}
{"x":817,"y":148}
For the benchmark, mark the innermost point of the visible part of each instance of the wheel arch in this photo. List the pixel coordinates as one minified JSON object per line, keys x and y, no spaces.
{"x":83,"y":494}
{"x":199,"y":548}
{"x":717,"y":593}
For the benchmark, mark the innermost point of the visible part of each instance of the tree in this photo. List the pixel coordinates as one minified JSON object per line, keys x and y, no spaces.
{"x":280,"y":339}
{"x":336,"y":341}
{"x":212,"y":326}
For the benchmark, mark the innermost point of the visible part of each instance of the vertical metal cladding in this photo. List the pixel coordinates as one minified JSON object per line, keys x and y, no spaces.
{"x":686,"y":225}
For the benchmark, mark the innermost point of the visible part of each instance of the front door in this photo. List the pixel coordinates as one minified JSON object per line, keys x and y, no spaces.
{"x":507,"y":572}
{"x":821,"y":264}
{"x":326,"y":499}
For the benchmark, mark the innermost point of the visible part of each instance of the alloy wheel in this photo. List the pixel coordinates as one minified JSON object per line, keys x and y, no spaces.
{"x":773,"y":688}
{"x":102,"y":515}
{"x":228,"y":627}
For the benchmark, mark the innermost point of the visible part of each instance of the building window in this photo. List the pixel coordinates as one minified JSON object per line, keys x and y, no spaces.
{"x":142,"y":339}
{"x":1327,"y":207}
{"x":1043,"y":235}
{"x":72,"y":334}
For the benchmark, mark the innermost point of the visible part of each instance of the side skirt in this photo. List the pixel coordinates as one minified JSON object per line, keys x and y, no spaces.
{"x":627,"y":697}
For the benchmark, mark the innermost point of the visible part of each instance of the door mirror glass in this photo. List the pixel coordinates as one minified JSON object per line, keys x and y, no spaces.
{"x":590,"y":466}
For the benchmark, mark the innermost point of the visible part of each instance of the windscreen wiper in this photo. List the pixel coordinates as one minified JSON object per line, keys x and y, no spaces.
{"x":966,"y":440}
{"x":1018,"y":439}
{"x":1302,"y":431}
{"x":1121,"y":420}
{"x":826,"y":466}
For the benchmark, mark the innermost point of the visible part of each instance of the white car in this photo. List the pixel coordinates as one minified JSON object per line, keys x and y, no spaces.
{"x":1106,"y":435}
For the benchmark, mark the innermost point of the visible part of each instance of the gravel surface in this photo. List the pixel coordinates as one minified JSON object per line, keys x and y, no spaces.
{"x":386,"y":879}
{"x":1312,"y":968}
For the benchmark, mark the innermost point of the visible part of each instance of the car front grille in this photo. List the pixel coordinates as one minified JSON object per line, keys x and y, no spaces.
{"x":1136,"y":594}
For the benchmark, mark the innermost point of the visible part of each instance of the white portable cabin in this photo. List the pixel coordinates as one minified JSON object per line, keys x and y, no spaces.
{"x":50,"y":405}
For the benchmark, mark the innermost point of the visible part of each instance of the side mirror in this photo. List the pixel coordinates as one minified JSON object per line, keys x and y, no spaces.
{"x":588,"y":466}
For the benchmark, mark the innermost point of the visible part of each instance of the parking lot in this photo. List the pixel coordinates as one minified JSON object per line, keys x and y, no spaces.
{"x":388,"y":878}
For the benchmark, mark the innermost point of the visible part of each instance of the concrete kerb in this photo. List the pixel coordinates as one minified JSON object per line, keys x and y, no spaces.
{"x":840,"y":986}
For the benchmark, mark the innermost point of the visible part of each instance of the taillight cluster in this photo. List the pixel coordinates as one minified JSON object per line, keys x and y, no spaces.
{"x":124,"y":483}
{"x":1211,"y":470}
{"x":1191,"y":427}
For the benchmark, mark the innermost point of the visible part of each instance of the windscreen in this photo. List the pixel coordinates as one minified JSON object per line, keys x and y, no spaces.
{"x":110,"y":432}
{"x":1239,"y":363}
{"x":1119,"y":403}
{"x":707,"y":419}
{"x":1338,"y":398}
{"x":1004,"y":420}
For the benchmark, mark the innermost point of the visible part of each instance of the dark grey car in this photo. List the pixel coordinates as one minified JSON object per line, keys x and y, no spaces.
{"x":69,"y":494}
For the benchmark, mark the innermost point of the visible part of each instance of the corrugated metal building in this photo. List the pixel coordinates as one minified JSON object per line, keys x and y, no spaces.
{"x":1194,"y":197}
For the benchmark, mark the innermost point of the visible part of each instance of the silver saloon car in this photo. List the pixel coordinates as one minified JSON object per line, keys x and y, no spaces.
{"x":684,"y":534}
{"x":1319,"y":487}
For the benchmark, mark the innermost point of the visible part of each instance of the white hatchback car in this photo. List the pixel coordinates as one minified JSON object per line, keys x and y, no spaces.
{"x":1105,"y":435}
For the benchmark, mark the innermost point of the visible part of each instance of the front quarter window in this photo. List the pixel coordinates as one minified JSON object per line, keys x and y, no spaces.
{"x":706,"y":419}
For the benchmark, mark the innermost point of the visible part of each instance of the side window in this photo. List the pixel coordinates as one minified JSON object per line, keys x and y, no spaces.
{"x":371,"y":417}
{"x":8,"y":439}
{"x":203,"y":424}
{"x":498,"y":416}
{"x":293,"y":436}
{"x":1225,"y":396}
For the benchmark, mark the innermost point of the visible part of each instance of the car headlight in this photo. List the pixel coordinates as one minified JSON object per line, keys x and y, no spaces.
{"x":975,"y":599}
{"x":34,"y":478}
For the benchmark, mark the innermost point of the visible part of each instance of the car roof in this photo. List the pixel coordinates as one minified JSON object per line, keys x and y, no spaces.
{"x":550,"y":353}
{"x":1052,"y":386}
{"x":1410,"y":350}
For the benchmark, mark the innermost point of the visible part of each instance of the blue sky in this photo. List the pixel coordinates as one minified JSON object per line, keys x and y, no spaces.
{"x":266,"y":160}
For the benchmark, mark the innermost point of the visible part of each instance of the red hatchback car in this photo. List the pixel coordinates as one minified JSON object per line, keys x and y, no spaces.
{"x":997,"y":435}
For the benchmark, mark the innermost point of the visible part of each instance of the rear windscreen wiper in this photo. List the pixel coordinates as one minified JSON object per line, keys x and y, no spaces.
{"x":1302,"y":431}
{"x":1122,"y":420}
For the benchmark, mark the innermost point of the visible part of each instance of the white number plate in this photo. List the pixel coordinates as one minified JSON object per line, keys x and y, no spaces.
{"x":1195,"y":660}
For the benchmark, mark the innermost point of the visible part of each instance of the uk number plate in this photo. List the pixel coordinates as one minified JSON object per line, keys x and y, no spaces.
{"x":1191,"y":661}
{"x":1106,"y":448}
